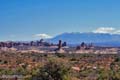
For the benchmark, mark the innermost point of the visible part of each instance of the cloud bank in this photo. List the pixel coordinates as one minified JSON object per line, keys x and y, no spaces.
{"x":109,"y":30}
{"x":43,"y":36}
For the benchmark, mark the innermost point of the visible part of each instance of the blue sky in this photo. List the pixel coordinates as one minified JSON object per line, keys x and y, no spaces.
{"x":22,"y":19}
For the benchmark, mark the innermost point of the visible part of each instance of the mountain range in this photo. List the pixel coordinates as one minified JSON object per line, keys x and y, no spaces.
{"x":104,"y":39}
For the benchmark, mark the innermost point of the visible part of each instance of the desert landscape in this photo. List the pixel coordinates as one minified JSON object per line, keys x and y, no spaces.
{"x":84,"y":62}
{"x":59,"y":39}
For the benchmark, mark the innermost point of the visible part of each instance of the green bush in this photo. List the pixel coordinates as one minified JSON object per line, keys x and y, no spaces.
{"x":53,"y":71}
{"x":117,"y":59}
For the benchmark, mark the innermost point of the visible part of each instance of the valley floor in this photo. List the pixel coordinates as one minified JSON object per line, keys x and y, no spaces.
{"x":38,"y":66}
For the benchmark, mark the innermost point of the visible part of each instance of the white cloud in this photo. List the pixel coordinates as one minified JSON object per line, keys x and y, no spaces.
{"x":43,"y":36}
{"x":109,"y":30}
{"x":117,"y":32}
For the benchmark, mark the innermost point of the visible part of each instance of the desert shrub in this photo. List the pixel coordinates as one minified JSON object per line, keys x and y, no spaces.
{"x":73,"y":59}
{"x":5,"y":62}
{"x":60,"y":55}
{"x":21,"y":71}
{"x":117,"y":59}
{"x":6,"y":72}
{"x":45,"y":55}
{"x":108,"y":75}
{"x":85,"y":73}
{"x":53,"y":70}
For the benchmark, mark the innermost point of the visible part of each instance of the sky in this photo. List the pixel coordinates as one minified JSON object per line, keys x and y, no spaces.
{"x":33,"y":19}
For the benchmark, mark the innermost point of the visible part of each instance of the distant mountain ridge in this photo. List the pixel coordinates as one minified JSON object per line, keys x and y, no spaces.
{"x":77,"y":38}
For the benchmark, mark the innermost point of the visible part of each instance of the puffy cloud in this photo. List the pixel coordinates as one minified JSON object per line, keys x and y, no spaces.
{"x":109,"y":30}
{"x":43,"y":36}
